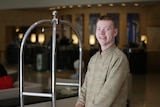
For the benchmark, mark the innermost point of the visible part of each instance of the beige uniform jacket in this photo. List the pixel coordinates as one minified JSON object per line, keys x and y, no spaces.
{"x":106,"y":80}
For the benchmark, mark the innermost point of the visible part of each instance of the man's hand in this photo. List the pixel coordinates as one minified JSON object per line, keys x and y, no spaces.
{"x":79,"y":105}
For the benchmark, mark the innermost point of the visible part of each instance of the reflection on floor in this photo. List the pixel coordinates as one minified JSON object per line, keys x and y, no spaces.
{"x":145,"y":90}
{"x":145,"y":87}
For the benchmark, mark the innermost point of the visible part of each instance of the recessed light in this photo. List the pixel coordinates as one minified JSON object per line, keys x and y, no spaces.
{"x":71,"y":6}
{"x":63,"y":7}
{"x":88,"y":5}
{"x":136,"y":4}
{"x":123,"y":4}
{"x":79,"y":5}
{"x":99,"y":5}
{"x":58,"y":7}
{"x":111,"y":4}
{"x":52,"y":8}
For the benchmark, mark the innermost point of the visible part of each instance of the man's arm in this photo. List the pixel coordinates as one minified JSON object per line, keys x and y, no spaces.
{"x":79,"y":105}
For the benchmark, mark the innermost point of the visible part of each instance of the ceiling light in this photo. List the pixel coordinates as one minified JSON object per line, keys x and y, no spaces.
{"x":136,"y":4}
{"x":88,"y":5}
{"x":58,"y":7}
{"x":71,"y":6}
{"x":63,"y":7}
{"x":99,"y":5}
{"x":123,"y":4}
{"x":52,"y":8}
{"x":79,"y":5}
{"x":111,"y":4}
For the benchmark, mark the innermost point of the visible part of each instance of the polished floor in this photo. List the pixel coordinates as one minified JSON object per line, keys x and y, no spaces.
{"x":145,"y":88}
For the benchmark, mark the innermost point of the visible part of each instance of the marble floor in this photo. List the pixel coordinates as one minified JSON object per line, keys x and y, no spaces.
{"x":145,"y":88}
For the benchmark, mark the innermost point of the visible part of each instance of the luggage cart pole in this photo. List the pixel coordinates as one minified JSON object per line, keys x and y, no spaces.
{"x":55,"y":21}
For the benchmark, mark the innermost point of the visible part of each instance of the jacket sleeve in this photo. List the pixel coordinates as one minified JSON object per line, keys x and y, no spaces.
{"x":82,"y":96}
{"x":116,"y":77}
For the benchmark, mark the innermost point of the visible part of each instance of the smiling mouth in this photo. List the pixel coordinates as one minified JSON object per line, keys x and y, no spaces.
{"x":102,"y":37}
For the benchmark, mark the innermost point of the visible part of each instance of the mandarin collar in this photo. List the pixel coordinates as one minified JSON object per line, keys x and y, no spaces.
{"x":108,"y":50}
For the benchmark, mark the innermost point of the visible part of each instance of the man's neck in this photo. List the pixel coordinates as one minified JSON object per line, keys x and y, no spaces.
{"x":103,"y":48}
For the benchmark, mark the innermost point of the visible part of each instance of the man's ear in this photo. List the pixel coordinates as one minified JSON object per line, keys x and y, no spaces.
{"x":115,"y":32}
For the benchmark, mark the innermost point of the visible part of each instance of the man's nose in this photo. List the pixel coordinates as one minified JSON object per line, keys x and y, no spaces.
{"x":103,"y":31}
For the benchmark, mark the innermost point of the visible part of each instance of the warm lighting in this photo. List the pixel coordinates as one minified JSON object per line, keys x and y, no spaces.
{"x":41,"y":38}
{"x":75,"y":39}
{"x":63,"y":7}
{"x":111,"y":5}
{"x":33,"y":38}
{"x":136,"y":4}
{"x":79,"y":5}
{"x":88,"y":5}
{"x":71,"y":6}
{"x":58,"y":7}
{"x":17,"y":29}
{"x":144,"y":38}
{"x":99,"y":5}
{"x":20,"y":36}
{"x":52,"y":8}
{"x":123,"y":4}
{"x":92,"y":39}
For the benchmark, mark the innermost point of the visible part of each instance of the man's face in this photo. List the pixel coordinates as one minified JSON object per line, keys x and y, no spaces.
{"x":105,"y":33}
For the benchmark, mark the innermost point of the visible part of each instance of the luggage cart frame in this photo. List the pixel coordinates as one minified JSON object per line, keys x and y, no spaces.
{"x":52,"y":95}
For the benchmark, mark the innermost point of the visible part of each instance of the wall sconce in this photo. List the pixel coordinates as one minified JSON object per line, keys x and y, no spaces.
{"x":41,"y":38}
{"x":20,"y":36}
{"x":17,"y":29}
{"x":92,"y":39}
{"x":75,"y":39}
{"x":33,"y":38}
{"x":144,"y":38}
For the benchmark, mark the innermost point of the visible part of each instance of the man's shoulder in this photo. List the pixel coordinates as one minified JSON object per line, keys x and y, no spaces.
{"x":119,"y":53}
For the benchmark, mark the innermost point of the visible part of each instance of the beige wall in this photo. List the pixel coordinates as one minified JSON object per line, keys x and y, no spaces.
{"x":148,"y":16}
{"x":154,"y":15}
{"x":123,"y":19}
{"x":153,"y":28}
{"x":16,"y":18}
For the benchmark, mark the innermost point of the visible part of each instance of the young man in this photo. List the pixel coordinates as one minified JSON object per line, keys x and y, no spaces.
{"x":106,"y":80}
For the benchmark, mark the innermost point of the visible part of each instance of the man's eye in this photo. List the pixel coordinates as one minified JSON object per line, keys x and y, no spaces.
{"x":106,"y":29}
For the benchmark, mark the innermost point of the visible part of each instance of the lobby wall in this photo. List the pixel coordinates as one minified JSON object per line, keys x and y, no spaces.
{"x":122,"y":11}
{"x":26,"y":17}
{"x":16,"y":18}
{"x":153,"y":35}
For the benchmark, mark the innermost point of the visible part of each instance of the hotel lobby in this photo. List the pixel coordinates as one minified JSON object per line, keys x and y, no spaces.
{"x":140,"y":44}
